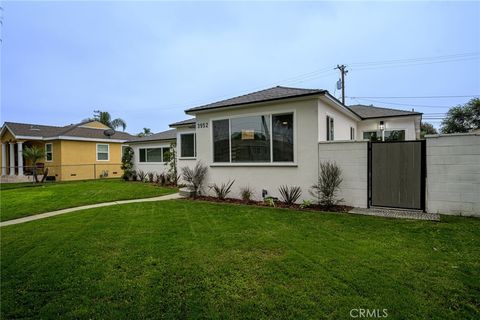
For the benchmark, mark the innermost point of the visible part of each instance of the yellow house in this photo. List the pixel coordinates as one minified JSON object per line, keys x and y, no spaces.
{"x":86,"y":150}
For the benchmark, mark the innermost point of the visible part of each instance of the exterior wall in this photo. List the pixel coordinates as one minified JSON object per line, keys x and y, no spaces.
{"x":410,"y":124}
{"x":185,"y":162}
{"x":79,"y":160}
{"x":352,"y":159}
{"x":341,"y":126}
{"x":157,"y":167}
{"x":303,"y":172}
{"x":96,"y":125}
{"x":54,"y":166}
{"x":453,"y":174}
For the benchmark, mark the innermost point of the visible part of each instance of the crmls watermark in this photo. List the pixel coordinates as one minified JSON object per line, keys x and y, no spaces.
{"x":368,"y":313}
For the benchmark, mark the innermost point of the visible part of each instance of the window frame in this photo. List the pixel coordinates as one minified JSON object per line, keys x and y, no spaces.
{"x":146,"y":154}
{"x":46,"y":152}
{"x":108,"y":151}
{"x":181,"y":157}
{"x":270,"y":163}
{"x":352,"y":134}
{"x":330,"y":134}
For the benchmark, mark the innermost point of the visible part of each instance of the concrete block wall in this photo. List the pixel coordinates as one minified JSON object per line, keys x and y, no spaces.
{"x":453,"y":174}
{"x":352,"y":158}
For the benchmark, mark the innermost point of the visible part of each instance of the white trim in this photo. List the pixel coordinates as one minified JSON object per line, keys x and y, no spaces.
{"x":85,"y":139}
{"x":27,"y":137}
{"x":49,"y":143}
{"x":254,"y":114}
{"x":108,"y":152}
{"x":254,"y":164}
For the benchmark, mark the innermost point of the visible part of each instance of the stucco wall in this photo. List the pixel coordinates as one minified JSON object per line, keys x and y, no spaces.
{"x":352,"y":159}
{"x":453,"y":174}
{"x":411,"y":125}
{"x":156,"y":167}
{"x":341,"y":126}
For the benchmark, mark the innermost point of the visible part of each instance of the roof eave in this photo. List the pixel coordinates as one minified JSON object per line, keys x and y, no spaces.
{"x":394,"y":116}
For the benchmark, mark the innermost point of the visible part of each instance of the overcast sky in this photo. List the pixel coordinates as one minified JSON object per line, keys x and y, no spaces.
{"x":147,"y":62}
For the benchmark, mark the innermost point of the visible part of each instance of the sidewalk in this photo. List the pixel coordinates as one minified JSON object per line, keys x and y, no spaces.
{"x":90,"y":206}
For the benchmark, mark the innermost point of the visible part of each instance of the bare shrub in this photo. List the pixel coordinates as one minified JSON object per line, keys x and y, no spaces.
{"x":328,"y":184}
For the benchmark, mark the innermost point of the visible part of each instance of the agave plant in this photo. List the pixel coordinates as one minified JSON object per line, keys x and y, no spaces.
{"x":222,"y":190}
{"x":141,"y":175}
{"x":290,"y":194}
{"x":195,"y":177}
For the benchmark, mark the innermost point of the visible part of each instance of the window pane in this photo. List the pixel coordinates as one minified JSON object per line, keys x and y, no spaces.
{"x":102,"y":148}
{"x":395,"y":135}
{"x":154,"y":155}
{"x":102,"y":156}
{"x":143,"y":157}
{"x":250,"y":139}
{"x":371,"y":135}
{"x":282,"y":134}
{"x":49,"y":156}
{"x":48,"y":147}
{"x":221,"y":143}
{"x":187,"y":145}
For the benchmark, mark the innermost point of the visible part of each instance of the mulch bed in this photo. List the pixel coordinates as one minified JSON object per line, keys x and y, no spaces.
{"x":278,"y":204}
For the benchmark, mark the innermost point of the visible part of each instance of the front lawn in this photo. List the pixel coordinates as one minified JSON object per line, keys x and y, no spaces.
{"x":192,"y":259}
{"x":27,"y":199}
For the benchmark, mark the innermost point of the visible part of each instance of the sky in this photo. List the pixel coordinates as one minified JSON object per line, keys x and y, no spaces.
{"x":146,"y":62}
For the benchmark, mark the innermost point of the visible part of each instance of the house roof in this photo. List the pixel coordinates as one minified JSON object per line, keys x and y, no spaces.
{"x":183,"y":122}
{"x":275,"y":93}
{"x":371,"y":112}
{"x":164,"y":135}
{"x":73,"y":130}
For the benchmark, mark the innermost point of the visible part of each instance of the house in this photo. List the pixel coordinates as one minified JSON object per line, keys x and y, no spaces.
{"x":85,"y":150}
{"x":271,"y":137}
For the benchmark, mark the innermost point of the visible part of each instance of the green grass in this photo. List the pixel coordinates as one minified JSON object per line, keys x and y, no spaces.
{"x":23,"y":200}
{"x":184,"y":259}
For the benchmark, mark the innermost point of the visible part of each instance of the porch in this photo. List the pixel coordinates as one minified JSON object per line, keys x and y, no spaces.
{"x":14,"y":167}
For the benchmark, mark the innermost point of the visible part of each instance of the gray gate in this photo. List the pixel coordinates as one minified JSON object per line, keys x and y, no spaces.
{"x":396,"y":174}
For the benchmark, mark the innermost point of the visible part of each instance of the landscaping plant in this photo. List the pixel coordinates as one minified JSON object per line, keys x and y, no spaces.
{"x":269,"y":201}
{"x":141,"y":175}
{"x":171,"y":158}
{"x":33,"y":154}
{"x":290,"y":195}
{"x":246,"y":193}
{"x":222,"y":190}
{"x":195,"y":177}
{"x":127,"y":163}
{"x":328,"y":184}
{"x":151,"y":177}
{"x":306,"y":204}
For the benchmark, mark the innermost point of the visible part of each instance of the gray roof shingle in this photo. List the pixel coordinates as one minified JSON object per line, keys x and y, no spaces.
{"x":164,"y":135}
{"x":183,"y":122}
{"x":275,"y":93}
{"x":73,"y":130}
{"x":370,"y":112}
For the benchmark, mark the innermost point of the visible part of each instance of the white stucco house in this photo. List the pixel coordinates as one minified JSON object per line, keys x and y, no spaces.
{"x":271,"y":137}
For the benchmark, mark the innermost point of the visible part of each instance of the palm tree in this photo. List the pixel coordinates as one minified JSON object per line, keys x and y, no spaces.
{"x":146,"y":132}
{"x":33,"y":154}
{"x":105,"y":118}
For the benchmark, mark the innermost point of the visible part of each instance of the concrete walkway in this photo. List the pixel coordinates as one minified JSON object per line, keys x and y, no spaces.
{"x":90,"y":206}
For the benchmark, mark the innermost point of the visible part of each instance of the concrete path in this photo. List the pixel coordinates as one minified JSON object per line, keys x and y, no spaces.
{"x":397,"y":213}
{"x":90,"y":206}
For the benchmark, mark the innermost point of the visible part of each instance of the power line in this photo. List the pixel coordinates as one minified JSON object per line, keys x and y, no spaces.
{"x":403,"y":104}
{"x":450,"y":56}
{"x":414,"y":97}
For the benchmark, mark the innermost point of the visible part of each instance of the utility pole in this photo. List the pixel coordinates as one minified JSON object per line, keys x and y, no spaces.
{"x":343,"y":72}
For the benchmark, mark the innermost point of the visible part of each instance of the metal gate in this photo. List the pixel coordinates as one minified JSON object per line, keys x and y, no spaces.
{"x":396,"y":174}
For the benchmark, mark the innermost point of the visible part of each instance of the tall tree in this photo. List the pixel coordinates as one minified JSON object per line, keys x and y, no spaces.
{"x":427,"y":128}
{"x":146,"y":132}
{"x":105,"y":118}
{"x":462,"y":118}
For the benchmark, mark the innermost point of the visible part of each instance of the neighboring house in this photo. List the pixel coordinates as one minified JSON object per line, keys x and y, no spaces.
{"x":86,"y":150}
{"x":270,"y":138}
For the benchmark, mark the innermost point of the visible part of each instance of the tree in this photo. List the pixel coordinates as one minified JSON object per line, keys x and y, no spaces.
{"x":127,"y":163}
{"x":33,"y":154}
{"x":105,"y":118}
{"x":427,"y":128}
{"x":146,"y":132}
{"x":462,"y":118}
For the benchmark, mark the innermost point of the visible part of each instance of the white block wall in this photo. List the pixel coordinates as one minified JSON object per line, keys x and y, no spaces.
{"x":352,"y":158}
{"x":453,"y":174}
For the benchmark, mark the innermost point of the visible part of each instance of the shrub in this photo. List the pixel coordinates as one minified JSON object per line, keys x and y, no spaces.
{"x":195,"y":177}
{"x":171,"y":158}
{"x":127,"y":162}
{"x":133,"y":175}
{"x":126,"y":175}
{"x":329,"y":180}
{"x":223,"y":190}
{"x":151,"y":177}
{"x":246,"y":193}
{"x":306,"y":204}
{"x":290,"y":194}
{"x":142,"y":175}
{"x":269,"y":201}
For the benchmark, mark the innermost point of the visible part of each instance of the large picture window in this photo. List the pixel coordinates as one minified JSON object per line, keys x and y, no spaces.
{"x":254,"y":139}
{"x":390,"y":135}
{"x":187,"y":145}
{"x":153,"y":154}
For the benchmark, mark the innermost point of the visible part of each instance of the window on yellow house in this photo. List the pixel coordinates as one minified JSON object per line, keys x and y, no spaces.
{"x":103,"y":152}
